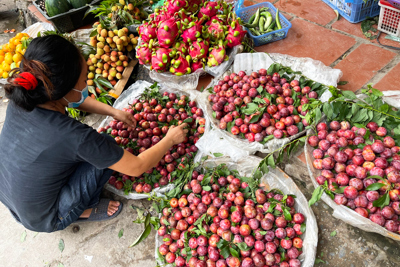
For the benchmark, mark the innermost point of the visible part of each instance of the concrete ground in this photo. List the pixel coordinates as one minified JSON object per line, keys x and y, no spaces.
{"x":314,"y":34}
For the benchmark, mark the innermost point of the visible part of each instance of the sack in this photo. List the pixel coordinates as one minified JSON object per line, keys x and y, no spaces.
{"x":277,"y":179}
{"x":133,"y":92}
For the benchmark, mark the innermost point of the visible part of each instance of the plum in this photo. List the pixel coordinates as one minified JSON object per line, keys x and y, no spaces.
{"x":372,"y":126}
{"x":377,"y":218}
{"x":350,"y":192}
{"x":313,"y":141}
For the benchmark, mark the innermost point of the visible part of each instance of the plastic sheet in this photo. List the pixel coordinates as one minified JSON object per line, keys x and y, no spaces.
{"x":342,"y":212}
{"x":190,"y":81}
{"x":248,"y":62}
{"x":133,"y":92}
{"x":34,"y":29}
{"x":275,"y":179}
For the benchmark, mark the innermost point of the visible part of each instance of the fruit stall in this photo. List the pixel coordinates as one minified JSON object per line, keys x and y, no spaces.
{"x":220,"y":197}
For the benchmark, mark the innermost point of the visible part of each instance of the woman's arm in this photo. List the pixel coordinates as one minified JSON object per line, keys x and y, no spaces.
{"x":93,"y":106}
{"x":136,"y":165}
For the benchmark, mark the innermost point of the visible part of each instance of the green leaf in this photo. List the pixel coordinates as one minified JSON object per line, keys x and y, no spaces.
{"x":271,"y":161}
{"x":255,"y":118}
{"x":189,"y":120}
{"x":234,"y":252}
{"x":287,"y":214}
{"x":383,"y":201}
{"x":217,"y":155}
{"x":61,"y":245}
{"x":121,"y":233}
{"x":333,"y":234}
{"x":260,"y":89}
{"x":342,"y":83}
{"x":147,"y":220}
{"x":318,"y":115}
{"x":316,"y":195}
{"x":23,"y":236}
{"x":207,"y":188}
{"x":375,"y":177}
{"x":303,"y":227}
{"x":243,"y":246}
{"x":222,"y":243}
{"x":250,"y":109}
{"x":349,"y":95}
{"x":225,"y":252}
{"x":319,"y":261}
{"x":375,"y":186}
{"x":143,"y":236}
{"x":105,"y":82}
{"x":376,"y":92}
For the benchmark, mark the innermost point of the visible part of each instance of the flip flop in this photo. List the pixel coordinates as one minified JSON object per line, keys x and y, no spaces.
{"x":99,"y":212}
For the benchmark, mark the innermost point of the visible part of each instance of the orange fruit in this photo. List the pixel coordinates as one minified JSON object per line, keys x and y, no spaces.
{"x":17,"y":57}
{"x":5,"y":74}
{"x":8,"y":59}
{"x":19,"y":35}
{"x":11,"y":46}
{"x":1,"y":58}
{"x":17,"y":42}
{"x":5,"y":48}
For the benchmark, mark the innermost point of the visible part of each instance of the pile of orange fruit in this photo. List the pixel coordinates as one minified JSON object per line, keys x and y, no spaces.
{"x":11,"y":54}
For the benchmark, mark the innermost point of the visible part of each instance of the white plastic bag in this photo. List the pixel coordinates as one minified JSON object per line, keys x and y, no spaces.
{"x":275,"y":179}
{"x":250,"y":62}
{"x":34,"y":29}
{"x":342,"y":212}
{"x":133,"y":92}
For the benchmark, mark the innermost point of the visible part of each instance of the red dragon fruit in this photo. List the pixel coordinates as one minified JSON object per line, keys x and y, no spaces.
{"x":160,"y":59}
{"x":167,"y":32}
{"x":194,"y":5}
{"x":199,"y":50}
{"x":160,"y":15}
{"x":216,"y":31}
{"x":174,"y":6}
{"x":192,"y":32}
{"x":215,"y":18}
{"x":235,"y":34}
{"x":209,"y":9}
{"x":147,"y":32}
{"x":181,"y":47}
{"x":180,"y":66}
{"x":197,"y":65}
{"x":217,"y":55}
{"x":143,"y":53}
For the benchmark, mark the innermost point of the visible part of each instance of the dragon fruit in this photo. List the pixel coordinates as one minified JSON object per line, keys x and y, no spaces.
{"x":181,"y":47}
{"x":214,"y":18}
{"x":147,"y":32}
{"x":216,"y":31}
{"x":217,"y":55}
{"x":209,"y":9}
{"x":199,"y":50}
{"x":167,"y":32}
{"x":192,"y":32}
{"x":197,"y":65}
{"x":160,"y":15}
{"x":160,"y":59}
{"x":174,"y":6}
{"x":235,"y":34}
{"x":143,"y":53}
{"x":194,"y":5}
{"x":180,"y":66}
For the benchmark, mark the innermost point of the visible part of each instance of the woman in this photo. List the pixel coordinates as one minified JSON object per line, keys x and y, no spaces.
{"x":52,"y":167}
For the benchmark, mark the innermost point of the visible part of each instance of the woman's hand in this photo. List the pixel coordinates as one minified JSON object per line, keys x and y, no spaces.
{"x":177,"y":134}
{"x":126,"y":117}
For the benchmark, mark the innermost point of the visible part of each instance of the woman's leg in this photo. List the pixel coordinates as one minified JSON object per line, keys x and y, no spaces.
{"x":82,"y":192}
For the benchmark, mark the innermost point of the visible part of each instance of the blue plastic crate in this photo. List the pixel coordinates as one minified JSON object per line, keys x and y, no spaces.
{"x":355,"y":10}
{"x":245,"y":14}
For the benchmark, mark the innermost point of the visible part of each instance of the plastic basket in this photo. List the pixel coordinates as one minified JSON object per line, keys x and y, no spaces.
{"x":71,"y":20}
{"x":355,"y":10}
{"x":389,"y":19}
{"x":245,"y":14}
{"x":395,"y":3}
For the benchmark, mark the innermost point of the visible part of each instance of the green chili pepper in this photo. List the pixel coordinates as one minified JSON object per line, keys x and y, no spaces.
{"x":268,"y":19}
{"x":278,"y":23}
{"x":257,"y":18}
{"x":261,"y":24}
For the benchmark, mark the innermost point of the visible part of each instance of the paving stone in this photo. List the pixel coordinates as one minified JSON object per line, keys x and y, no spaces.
{"x":362,"y":64}
{"x":306,"y":39}
{"x":315,"y":11}
{"x":355,"y":29}
{"x":390,"y":81}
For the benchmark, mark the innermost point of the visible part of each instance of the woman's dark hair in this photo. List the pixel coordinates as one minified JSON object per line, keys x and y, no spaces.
{"x":56,"y":64}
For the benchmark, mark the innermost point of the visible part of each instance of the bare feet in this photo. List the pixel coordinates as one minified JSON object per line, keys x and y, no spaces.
{"x":112,"y":208}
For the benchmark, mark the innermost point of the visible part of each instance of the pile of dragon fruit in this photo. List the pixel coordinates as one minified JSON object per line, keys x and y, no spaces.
{"x":361,"y":167}
{"x":258,"y":106}
{"x":222,"y":223}
{"x":155,"y":113}
{"x":184,"y":36}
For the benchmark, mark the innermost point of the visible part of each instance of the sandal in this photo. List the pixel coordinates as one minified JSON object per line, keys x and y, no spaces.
{"x":99,"y":212}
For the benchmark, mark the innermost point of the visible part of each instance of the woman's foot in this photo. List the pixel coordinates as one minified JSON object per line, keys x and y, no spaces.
{"x":112,"y":208}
